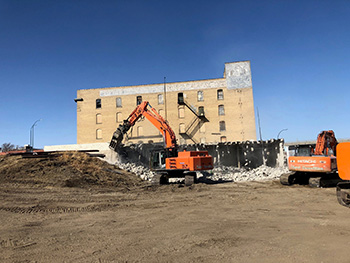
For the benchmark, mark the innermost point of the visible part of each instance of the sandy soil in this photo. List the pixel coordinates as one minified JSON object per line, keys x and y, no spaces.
{"x":231,"y":222}
{"x":227,"y":222}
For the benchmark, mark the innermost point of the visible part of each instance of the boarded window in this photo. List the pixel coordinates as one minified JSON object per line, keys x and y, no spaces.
{"x":119,"y":102}
{"x":98,"y":134}
{"x":98,"y":118}
{"x":221,"y":110}
{"x":98,"y":103}
{"x":220,"y":94}
{"x":140,"y":131}
{"x":223,"y":139}
{"x":119,"y":117}
{"x":200,"y":96}
{"x":182,"y":128}
{"x":222,"y":126}
{"x":138,"y":100}
{"x":160,"y":99}
{"x":181,"y":112}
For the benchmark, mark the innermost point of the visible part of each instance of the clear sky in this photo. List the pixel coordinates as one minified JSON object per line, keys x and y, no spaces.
{"x":299,"y":53}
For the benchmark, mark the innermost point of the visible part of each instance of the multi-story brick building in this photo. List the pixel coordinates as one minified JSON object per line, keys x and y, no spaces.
{"x":200,"y":111}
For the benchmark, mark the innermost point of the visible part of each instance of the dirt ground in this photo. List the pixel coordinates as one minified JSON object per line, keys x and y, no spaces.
{"x":49,"y":221}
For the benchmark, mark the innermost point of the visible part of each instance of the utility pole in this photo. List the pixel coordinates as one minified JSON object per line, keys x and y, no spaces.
{"x":262,"y":143}
{"x":31,"y":144}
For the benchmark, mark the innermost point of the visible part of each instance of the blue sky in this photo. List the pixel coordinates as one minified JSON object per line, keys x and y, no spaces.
{"x":299,"y":53}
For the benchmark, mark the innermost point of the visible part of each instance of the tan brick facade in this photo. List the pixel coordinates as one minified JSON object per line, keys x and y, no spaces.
{"x":227,"y":103}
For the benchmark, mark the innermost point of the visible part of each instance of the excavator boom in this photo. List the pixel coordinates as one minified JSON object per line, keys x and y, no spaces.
{"x":146,"y":110}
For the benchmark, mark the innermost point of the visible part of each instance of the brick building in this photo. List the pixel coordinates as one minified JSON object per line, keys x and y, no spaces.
{"x":200,"y":111}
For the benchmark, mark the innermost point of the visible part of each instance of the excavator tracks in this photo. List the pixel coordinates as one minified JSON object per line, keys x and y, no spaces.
{"x":343,"y":193}
{"x":313,"y":180}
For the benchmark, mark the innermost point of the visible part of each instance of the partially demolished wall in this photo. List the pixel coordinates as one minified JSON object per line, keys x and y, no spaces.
{"x":249,"y":154}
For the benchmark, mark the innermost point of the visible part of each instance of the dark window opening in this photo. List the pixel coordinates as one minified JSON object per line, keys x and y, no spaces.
{"x":220,"y":94}
{"x":222,"y":126}
{"x":201,"y":111}
{"x":138,"y":100}
{"x":98,"y":103}
{"x":180,"y":98}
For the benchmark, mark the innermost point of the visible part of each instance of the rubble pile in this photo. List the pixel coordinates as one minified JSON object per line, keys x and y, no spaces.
{"x":68,"y":169}
{"x":222,"y":173}
{"x":233,"y":174}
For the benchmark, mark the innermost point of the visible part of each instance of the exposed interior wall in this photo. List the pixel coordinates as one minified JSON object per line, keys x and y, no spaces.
{"x":249,"y":154}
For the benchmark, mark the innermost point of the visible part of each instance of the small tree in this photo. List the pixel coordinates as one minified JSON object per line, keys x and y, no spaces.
{"x":7,"y":146}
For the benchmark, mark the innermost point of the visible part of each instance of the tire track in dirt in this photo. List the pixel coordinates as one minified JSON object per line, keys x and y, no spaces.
{"x":57,"y":210}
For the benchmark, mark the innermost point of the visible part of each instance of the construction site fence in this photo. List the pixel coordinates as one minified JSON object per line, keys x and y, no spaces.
{"x":249,"y":154}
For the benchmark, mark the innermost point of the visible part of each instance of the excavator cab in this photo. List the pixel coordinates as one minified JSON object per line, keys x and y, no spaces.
{"x":157,"y":160}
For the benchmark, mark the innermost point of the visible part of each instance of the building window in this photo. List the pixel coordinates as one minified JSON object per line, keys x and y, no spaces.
{"x":119,"y":117}
{"x":222,"y":126}
{"x":139,"y":131}
{"x":98,"y":134}
{"x":203,"y":140}
{"x":98,"y":103}
{"x":182,"y":128}
{"x":181,"y":112}
{"x":201,"y":111}
{"x":221,"y":110}
{"x":138,"y":100}
{"x":223,"y":139}
{"x":160,"y":99}
{"x":180,"y":98}
{"x":220,"y":94}
{"x":200,"y":96}
{"x":182,"y":141}
{"x":119,"y":102}
{"x":161,"y":113}
{"x":98,"y":118}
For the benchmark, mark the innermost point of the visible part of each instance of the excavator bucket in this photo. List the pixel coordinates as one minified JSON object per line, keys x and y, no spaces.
{"x":116,"y":139}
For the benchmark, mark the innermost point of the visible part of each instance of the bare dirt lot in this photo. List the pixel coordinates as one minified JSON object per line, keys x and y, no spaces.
{"x":48,"y":219}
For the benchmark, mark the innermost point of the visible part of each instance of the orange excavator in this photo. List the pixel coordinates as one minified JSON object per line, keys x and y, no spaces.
{"x":167,"y":162}
{"x":314,"y":166}
{"x":343,"y":162}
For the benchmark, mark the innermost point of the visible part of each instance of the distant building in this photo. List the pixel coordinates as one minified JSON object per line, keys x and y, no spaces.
{"x":210,"y":111}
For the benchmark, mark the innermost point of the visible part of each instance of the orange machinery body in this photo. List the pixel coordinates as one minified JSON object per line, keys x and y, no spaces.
{"x":343,"y":160}
{"x":190,"y":160}
{"x":316,"y":163}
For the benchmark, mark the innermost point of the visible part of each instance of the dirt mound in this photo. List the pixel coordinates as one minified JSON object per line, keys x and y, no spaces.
{"x":71,"y":169}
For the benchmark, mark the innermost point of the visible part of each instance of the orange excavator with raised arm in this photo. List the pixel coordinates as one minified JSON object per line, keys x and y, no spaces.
{"x":314,"y":166}
{"x":168,"y":162}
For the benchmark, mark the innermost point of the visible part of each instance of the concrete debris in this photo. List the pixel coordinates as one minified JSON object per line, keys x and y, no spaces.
{"x":233,"y":174}
{"x":218,"y":174}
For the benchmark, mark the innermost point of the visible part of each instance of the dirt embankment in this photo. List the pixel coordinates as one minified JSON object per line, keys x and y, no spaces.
{"x":71,"y":169}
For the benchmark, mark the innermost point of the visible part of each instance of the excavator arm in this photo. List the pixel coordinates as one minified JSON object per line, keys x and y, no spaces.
{"x":325,"y":141}
{"x":146,"y":110}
